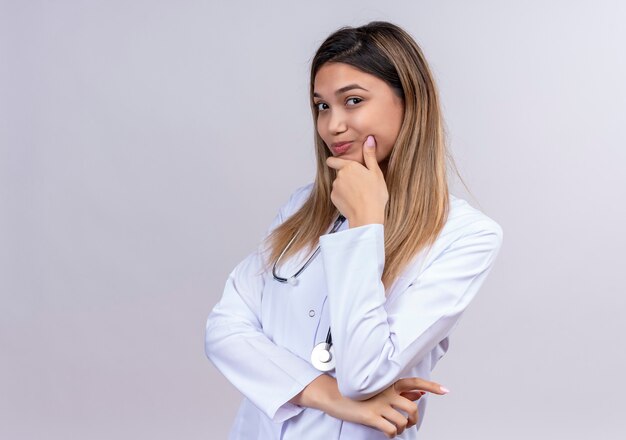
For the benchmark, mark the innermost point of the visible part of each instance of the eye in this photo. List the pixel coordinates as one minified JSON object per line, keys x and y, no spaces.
{"x":358,"y":99}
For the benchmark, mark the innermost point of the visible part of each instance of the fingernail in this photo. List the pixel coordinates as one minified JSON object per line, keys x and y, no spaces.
{"x":444,"y":389}
{"x":370,"y":141}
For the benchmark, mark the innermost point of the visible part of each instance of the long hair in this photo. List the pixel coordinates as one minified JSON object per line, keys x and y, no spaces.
{"x":416,"y":178}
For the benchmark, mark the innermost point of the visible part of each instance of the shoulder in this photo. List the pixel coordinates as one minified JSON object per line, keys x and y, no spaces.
{"x":466,"y":230}
{"x":301,"y":193}
{"x":296,"y":199}
{"x":465,"y":216}
{"x":468,"y":235}
{"x":465,"y":220}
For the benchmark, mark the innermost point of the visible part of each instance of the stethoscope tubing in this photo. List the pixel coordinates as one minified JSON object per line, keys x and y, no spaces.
{"x":322,"y":355}
{"x":336,"y":226}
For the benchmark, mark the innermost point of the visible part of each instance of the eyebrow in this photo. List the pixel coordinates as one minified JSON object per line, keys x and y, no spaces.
{"x":342,"y":90}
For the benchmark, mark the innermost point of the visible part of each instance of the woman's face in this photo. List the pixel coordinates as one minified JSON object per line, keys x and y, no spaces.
{"x":353,"y":104}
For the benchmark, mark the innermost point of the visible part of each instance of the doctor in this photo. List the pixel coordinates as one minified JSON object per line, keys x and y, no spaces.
{"x":331,"y":328}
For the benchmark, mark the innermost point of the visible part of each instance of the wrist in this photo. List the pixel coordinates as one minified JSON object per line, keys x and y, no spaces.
{"x":325,"y":394}
{"x":366,"y":219}
{"x":319,"y":394}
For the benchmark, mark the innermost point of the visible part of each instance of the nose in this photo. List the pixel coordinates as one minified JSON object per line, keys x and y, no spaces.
{"x":337,"y":122}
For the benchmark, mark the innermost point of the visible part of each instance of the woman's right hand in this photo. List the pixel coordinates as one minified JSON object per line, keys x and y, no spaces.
{"x":381,"y":411}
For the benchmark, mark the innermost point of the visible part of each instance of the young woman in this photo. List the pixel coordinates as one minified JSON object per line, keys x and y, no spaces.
{"x":375,"y":248}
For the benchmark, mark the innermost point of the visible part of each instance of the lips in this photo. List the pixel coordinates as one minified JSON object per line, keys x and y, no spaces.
{"x":341,"y":147}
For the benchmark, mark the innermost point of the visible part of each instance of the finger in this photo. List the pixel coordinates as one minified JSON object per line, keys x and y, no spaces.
{"x":336,"y":163}
{"x":369,"y":153}
{"x":408,"y":407}
{"x":416,"y":383}
{"x":417,"y":416}
{"x":399,"y":420}
{"x":412,"y":395}
{"x":386,"y":427}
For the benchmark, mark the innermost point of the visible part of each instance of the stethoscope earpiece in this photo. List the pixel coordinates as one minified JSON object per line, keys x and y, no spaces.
{"x":293,"y":281}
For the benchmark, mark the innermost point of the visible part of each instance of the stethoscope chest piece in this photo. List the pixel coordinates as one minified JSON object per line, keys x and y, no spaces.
{"x":323,"y":356}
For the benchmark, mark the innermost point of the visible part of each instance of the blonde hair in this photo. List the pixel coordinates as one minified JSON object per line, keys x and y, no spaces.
{"x":416,"y":171}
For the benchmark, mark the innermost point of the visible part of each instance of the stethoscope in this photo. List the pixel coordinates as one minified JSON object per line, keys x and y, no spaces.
{"x":323,"y":354}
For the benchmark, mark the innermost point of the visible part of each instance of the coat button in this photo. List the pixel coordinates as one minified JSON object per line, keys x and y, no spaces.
{"x":311,"y":313}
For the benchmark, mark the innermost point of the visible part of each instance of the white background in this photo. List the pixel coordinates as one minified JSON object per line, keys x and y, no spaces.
{"x":145,"y":146}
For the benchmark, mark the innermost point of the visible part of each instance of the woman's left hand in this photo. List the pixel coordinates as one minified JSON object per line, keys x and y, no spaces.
{"x":360,"y":192}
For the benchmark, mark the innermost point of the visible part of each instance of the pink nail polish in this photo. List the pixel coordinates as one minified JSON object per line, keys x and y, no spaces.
{"x":444,"y":389}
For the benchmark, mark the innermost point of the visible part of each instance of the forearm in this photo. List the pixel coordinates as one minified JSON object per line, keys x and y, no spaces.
{"x":323,"y":394}
{"x":319,"y":393}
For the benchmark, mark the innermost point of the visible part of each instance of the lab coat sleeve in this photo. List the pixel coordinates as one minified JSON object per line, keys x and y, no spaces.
{"x":376,"y":342}
{"x":267,"y":374}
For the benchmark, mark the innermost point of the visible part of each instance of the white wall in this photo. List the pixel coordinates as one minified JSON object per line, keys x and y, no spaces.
{"x":146,"y":145}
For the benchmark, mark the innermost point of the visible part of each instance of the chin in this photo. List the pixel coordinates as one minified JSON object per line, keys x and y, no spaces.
{"x":352,"y":157}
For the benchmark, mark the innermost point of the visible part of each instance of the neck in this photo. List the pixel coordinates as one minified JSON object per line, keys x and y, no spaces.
{"x":383,"y":166}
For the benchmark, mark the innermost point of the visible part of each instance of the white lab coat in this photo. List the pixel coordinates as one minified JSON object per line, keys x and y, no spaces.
{"x":260,"y":334}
